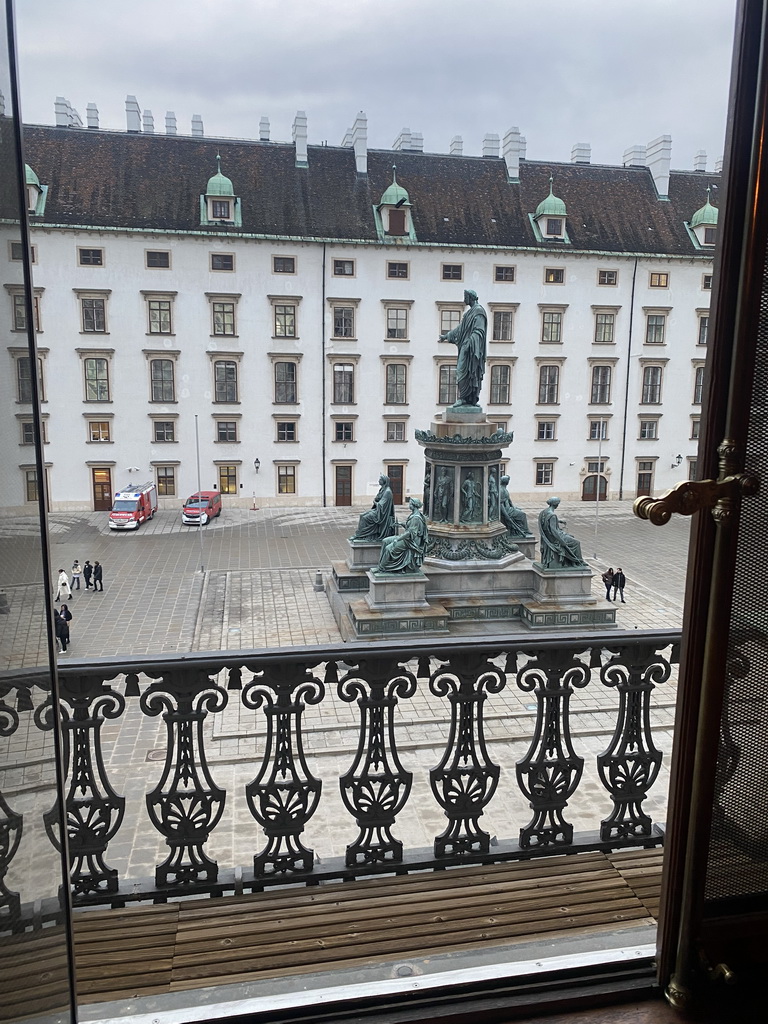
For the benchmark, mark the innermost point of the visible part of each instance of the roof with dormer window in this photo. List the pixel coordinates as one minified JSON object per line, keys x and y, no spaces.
{"x":551,"y":206}
{"x":395,"y":194}
{"x":706,"y":216}
{"x":219,"y":184}
{"x":30,"y":177}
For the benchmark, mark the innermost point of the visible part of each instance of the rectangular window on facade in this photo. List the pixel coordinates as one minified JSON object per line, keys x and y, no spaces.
{"x":695,"y":428}
{"x":225,"y":380}
{"x":159,"y":311}
{"x":286,"y":383}
{"x":27,"y":432}
{"x":447,"y":392}
{"x":90,"y":257}
{"x":644,"y":476}
{"x":166,"y":480}
{"x":163,"y":431}
{"x":452,"y":272}
{"x":396,"y":430}
{"x":545,"y":472}
{"x":545,"y":430}
{"x":551,"y":326}
{"x":608,"y":277}
{"x":504,"y":273}
{"x":343,"y":383}
{"x":698,"y":387}
{"x":649,"y":430}
{"x":655,"y":325}
{"x":223,"y":318}
{"x":161,"y":377}
{"x":397,"y":323}
{"x":17,"y":252}
{"x":286,"y":479}
{"x":99,"y":430}
{"x":343,"y":321}
{"x":651,"y":393}
{"x":94,"y":316}
{"x":96,"y":380}
{"x":549,"y":385}
{"x":598,"y":430}
{"x":604,"y":328}
{"x":20,"y":311}
{"x":284,"y":264}
{"x":596,"y":467}
{"x":344,"y":430}
{"x":220,"y":209}
{"x":554,"y":275}
{"x":703,"y":329}
{"x":159,"y":258}
{"x":30,"y":484}
{"x":286,"y":430}
{"x":396,"y":384}
{"x":343,"y":268}
{"x":228,"y":479}
{"x":222,"y":261}
{"x":601,"y":385}
{"x":693,"y":468}
{"x":226,"y":430}
{"x":397,"y":270}
{"x":710,"y":236}
{"x":500,"y":381}
{"x":659,"y":280}
{"x":706,"y":282}
{"x":285,"y":321}
{"x":449,"y":318}
{"x":502,"y":324}
{"x":24,"y":378}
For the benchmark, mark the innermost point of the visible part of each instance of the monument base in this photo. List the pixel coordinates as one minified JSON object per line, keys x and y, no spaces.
{"x":363,"y":554}
{"x":396,"y":605}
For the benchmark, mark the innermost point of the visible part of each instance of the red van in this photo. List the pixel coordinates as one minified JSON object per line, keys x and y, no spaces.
{"x":200,"y":507}
{"x":133,"y":506}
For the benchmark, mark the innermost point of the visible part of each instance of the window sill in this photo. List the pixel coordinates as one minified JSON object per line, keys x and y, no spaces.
{"x":160,"y":401}
{"x":220,"y":337}
{"x":226,"y":403}
{"x":160,"y":334}
{"x":336,"y":337}
{"x":97,"y":401}
{"x":90,"y":334}
{"x":100,"y":442}
{"x":227,"y":442}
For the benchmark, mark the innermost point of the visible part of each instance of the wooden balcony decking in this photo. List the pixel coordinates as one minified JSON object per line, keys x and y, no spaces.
{"x":172,"y":947}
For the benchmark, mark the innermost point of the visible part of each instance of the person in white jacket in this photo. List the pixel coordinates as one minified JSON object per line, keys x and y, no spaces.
{"x":63,"y":587}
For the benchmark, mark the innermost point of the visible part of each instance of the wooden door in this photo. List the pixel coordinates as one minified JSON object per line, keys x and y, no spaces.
{"x":396,"y":474}
{"x":589,"y":489}
{"x":102,"y":489}
{"x":644,"y":478}
{"x":343,"y":485}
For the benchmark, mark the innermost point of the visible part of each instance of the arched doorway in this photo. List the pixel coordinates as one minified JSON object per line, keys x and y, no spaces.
{"x":590,"y":485}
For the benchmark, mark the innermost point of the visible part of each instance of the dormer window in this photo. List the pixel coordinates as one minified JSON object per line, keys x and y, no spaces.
{"x":219,"y":205}
{"x":393,"y":213}
{"x":554,"y":226}
{"x":36,"y":193}
{"x":221,"y":209}
{"x":396,"y":222}
{"x":710,"y":236}
{"x":548,"y":222}
{"x":703,"y":226}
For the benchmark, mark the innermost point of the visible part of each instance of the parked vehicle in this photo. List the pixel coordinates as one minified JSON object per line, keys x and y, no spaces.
{"x":200,"y":507}
{"x":133,"y":506}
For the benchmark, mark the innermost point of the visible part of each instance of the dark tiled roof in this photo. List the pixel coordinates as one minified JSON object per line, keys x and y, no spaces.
{"x":154,"y":181}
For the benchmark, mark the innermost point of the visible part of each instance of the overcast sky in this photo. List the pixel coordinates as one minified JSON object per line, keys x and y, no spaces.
{"x":608,"y":72}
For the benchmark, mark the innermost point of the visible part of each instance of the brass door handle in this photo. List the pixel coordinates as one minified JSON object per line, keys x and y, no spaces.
{"x":722,"y":495}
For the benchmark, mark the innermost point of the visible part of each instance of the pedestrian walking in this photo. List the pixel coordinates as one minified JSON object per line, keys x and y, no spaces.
{"x":98,"y":574}
{"x":66,"y":616}
{"x":62,"y":587}
{"x":607,"y":579}
{"x":61,"y":629}
{"x":87,"y":573}
{"x":76,"y":574}
{"x":619,"y":582}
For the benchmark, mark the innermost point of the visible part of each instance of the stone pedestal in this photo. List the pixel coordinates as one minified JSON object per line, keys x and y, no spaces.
{"x":396,"y":605}
{"x":562,"y":599}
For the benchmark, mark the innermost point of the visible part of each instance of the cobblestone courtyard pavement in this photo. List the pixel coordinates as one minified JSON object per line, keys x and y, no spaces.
{"x":257,"y":591}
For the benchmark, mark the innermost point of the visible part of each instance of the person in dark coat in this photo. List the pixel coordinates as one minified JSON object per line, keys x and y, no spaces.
{"x":619,"y":582}
{"x":607,"y":579}
{"x":61,"y":628}
{"x":87,"y":573}
{"x":98,"y":575}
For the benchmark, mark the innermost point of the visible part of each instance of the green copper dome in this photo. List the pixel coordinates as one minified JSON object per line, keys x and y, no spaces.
{"x":551,"y":206}
{"x":219,"y":184}
{"x":706,"y":216}
{"x":30,"y":177}
{"x":395,"y":194}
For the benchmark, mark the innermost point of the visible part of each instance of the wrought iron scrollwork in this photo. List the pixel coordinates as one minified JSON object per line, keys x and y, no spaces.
{"x":284,"y":795}
{"x":465,"y":779}
{"x":186,"y":805}
{"x":631,"y":763}
{"x":550,"y":771}
{"x":94,"y":811}
{"x":11,"y":825}
{"x":376,"y":787}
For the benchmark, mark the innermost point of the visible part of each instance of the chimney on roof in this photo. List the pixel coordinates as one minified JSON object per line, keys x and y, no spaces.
{"x":66,"y":115}
{"x":417,"y":142}
{"x":148,"y":122}
{"x":197,"y":126}
{"x":92,"y":115}
{"x":581,"y":153}
{"x":700,"y":161}
{"x":523,"y":147}
{"x":634,"y":156}
{"x":170,"y":122}
{"x":403,"y":140}
{"x":360,"y":142}
{"x":300,"y":138}
{"x":719,"y":166}
{"x":346,"y":142}
{"x":264,"y":129}
{"x":513,"y":153}
{"x":457,"y":146}
{"x":658,"y":157}
{"x":132,"y":114}
{"x":491,"y":145}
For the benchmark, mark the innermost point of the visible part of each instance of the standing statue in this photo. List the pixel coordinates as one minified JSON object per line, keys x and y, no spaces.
{"x":559,"y":550}
{"x":515,"y":520}
{"x":442,"y":509}
{"x":379,"y":521}
{"x":406,"y":553}
{"x":427,"y":485}
{"x":470,"y":500}
{"x":469,"y":337}
{"x":493,"y":497}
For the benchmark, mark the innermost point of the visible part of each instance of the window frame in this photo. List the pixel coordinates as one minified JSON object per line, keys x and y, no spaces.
{"x":543,"y":387}
{"x":607,"y":283}
{"x":506,"y":314}
{"x":281,"y":384}
{"x":222,"y":425}
{"x":81,"y":262}
{"x":598,"y":323}
{"x":393,"y":332}
{"x":395,"y":383}
{"x":544,"y":468}
{"x":219,"y":256}
{"x":340,"y":311}
{"x":398,"y":277}
{"x":105,"y":380}
{"x":600,"y":389}
{"x":90,"y":423}
{"x":448,"y":271}
{"x":448,"y":386}
{"x":698,"y":384}
{"x":226,"y":472}
{"x":343,"y":382}
{"x":165,"y":480}
{"x":337,"y":261}
{"x":166,"y":422}
{"x":543,"y":425}
{"x":554,"y":275}
{"x":598,"y":428}
{"x":83,"y":298}
{"x":655,"y":329}
{"x":702,"y":319}
{"x":230,"y":363}
{"x":276,"y":258}
{"x":648,"y":387}
{"x":343,"y":431}
{"x":658,"y":279}
{"x":286,"y":471}
{"x":157,"y":252}
{"x":402,"y":424}
{"x":550,"y":312}
{"x":158,"y":384}
{"x":498,"y":388}
{"x":504,"y":267}
{"x":156,"y":299}
{"x":280,"y":425}
{"x":648,"y":428}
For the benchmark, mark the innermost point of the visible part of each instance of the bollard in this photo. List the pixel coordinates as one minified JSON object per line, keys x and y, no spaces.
{"x":319,"y":585}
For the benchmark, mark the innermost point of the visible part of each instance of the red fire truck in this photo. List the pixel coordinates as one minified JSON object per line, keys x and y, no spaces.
{"x":133,"y":506}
